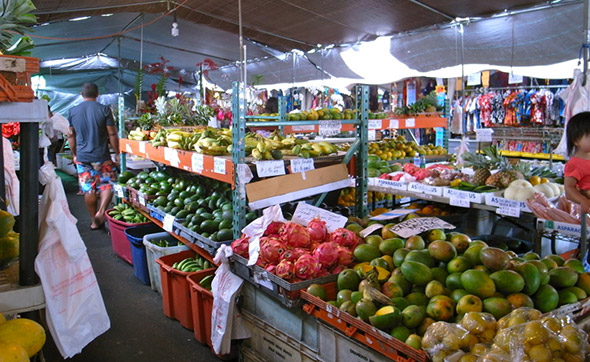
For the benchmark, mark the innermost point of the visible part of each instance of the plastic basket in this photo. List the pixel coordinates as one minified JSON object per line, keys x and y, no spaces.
{"x":153,"y":252}
{"x":119,"y":240}
{"x":138,"y":199}
{"x":202,"y":242}
{"x":135,"y":236}
{"x":176,"y":298}
{"x":202,"y":304}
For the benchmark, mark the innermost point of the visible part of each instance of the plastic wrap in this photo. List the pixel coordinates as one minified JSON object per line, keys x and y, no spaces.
{"x":482,"y":325}
{"x":518,"y":316}
{"x":443,"y":339}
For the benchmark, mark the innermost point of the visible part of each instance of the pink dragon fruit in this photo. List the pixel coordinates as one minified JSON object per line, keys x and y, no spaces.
{"x":293,"y":254}
{"x":240,"y":246}
{"x":271,"y":268}
{"x":271,"y":250}
{"x":273,"y":228}
{"x":307,"y":267}
{"x":345,"y":256}
{"x":337,"y":269}
{"x":322,"y":273}
{"x":295,"y":235}
{"x":317,"y":230}
{"x":285,"y":269}
{"x":327,"y":254}
{"x":345,"y":237}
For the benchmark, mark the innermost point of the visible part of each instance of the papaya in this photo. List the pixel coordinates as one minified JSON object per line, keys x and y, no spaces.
{"x":25,"y":332}
{"x":416,"y":273}
{"x":386,"y":318}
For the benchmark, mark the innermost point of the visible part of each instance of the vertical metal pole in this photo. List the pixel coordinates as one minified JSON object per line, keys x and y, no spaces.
{"x":238,"y":157}
{"x":123,"y":155}
{"x":586,"y":41}
{"x":29,"y":203}
{"x":2,"y":180}
{"x":362,"y":101}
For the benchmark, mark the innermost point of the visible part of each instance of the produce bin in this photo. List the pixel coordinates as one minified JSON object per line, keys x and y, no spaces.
{"x":199,"y":240}
{"x":118,"y":239}
{"x":176,"y":296}
{"x":202,"y":304}
{"x":135,"y":236}
{"x":154,"y":252}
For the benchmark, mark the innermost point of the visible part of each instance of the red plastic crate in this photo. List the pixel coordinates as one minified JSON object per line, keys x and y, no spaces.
{"x":119,"y":240}
{"x":202,"y":304}
{"x":176,"y":296}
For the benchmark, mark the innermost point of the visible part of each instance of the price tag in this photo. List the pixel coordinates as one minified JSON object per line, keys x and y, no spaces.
{"x":213,"y":122}
{"x":270,"y":168}
{"x":118,"y":190}
{"x":418,"y":225}
{"x":330,"y":128}
{"x":370,"y":229}
{"x":197,"y":162}
{"x":461,"y":202}
{"x":128,"y":148}
{"x":168,"y":222}
{"x":397,"y":185}
{"x":141,"y":198}
{"x":392,"y":214}
{"x":474,"y":79}
{"x":308,"y":128}
{"x":142,"y":147}
{"x":410,"y":122}
{"x":514,"y":78}
{"x":219,"y":165}
{"x":416,"y":187}
{"x":372,"y":135}
{"x":394,"y":123}
{"x":171,"y":155}
{"x":508,"y":211}
{"x":262,"y":280}
{"x":432,"y":190}
{"x":375,"y":124}
{"x":305,"y":212}
{"x":302,"y":165}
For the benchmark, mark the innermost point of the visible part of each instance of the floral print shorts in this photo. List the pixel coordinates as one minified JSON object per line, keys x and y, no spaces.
{"x":96,"y":176}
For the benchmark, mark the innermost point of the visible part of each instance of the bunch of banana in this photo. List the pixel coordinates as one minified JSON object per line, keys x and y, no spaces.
{"x":137,"y":135}
{"x":159,"y":139}
{"x":214,"y":142}
{"x":124,"y":212}
{"x":308,"y":150}
{"x":206,"y":282}
{"x":291,"y":141}
{"x":262,"y":148}
{"x":192,"y":264}
{"x":178,"y":139}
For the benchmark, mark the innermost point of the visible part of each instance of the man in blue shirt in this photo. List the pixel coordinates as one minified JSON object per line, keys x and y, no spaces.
{"x":92,"y":129}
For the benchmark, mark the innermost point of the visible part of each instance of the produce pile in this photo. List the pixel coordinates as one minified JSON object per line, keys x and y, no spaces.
{"x":194,"y":264}
{"x":395,"y":148}
{"x":126,"y":213}
{"x":9,"y":240}
{"x":20,"y":339}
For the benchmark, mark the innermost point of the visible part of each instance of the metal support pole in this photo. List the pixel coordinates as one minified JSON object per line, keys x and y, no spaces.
{"x":583,"y":236}
{"x":3,"y":181}
{"x":362,"y":101}
{"x":29,"y":203}
{"x":238,"y":157}
{"x":123,"y":155}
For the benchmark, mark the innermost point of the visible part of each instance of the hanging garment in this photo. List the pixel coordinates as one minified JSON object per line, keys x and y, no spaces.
{"x":577,"y":99}
{"x":457,"y":118}
{"x":485,"y":109}
{"x":498,"y":110}
{"x":510,"y":105}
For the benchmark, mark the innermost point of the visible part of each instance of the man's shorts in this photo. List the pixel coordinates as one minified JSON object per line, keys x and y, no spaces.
{"x":96,"y":176}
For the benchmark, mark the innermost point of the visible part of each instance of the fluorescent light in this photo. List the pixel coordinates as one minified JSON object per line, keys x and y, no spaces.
{"x":111,"y":14}
{"x":80,"y":18}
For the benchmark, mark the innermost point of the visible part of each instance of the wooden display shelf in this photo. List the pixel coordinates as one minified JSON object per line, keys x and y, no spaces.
{"x":220,"y":168}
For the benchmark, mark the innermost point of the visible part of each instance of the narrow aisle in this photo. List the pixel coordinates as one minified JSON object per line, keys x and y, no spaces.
{"x":139,"y":330}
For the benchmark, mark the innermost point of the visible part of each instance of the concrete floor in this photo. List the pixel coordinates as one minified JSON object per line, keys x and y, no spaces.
{"x":139,"y":330}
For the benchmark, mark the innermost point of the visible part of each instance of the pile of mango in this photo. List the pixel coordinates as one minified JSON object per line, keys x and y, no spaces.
{"x":397,"y":148}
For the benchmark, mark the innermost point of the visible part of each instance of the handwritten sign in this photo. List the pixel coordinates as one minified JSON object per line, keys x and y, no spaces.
{"x":494,"y":200}
{"x":394,"y":123}
{"x":372,"y":135}
{"x":168,"y":222}
{"x":302,"y":165}
{"x":483,"y":135}
{"x":396,"y":185}
{"x":410,"y":122}
{"x":219,"y":165}
{"x":471,"y":196}
{"x":142,"y":147}
{"x":270,"y":168}
{"x":418,"y":225}
{"x":309,"y":128}
{"x":141,"y":198}
{"x":514,"y":78}
{"x":474,"y":79}
{"x":392,"y":214}
{"x":508,"y":211}
{"x":304,"y":213}
{"x":128,"y":148}
{"x":197,"y":162}
{"x":368,"y":231}
{"x":171,"y":155}
{"x":460,"y":202}
{"x":118,"y":190}
{"x":330,"y":128}
{"x":375,"y":124}
{"x":426,"y":189}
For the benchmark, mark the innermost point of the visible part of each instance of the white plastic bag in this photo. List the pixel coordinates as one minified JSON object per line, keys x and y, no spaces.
{"x":256,"y":228}
{"x":225,"y":322}
{"x":75,"y":310}
{"x":462,"y":148}
{"x":60,"y":123}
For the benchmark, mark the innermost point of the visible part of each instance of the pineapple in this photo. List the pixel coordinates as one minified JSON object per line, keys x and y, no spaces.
{"x":506,"y":172}
{"x":481,"y":166}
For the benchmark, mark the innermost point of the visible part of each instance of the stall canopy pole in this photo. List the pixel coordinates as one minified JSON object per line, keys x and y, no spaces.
{"x":586,"y":42}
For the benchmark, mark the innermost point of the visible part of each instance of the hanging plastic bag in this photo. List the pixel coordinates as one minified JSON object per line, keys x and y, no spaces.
{"x":75,"y":310}
{"x":10,"y":179}
{"x":60,"y":123}
{"x":225,"y":322}
{"x":256,"y":228}
{"x":461,"y":149}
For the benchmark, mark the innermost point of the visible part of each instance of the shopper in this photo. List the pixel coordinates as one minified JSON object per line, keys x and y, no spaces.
{"x":92,"y":129}
{"x":577,"y":169}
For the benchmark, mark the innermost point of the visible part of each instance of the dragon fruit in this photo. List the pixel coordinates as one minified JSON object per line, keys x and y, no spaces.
{"x":337,"y":269}
{"x":295,"y":235}
{"x":273,"y":228}
{"x":345,"y":256}
{"x":240,"y":246}
{"x":271,"y":250}
{"x":317,"y":230}
{"x":307,"y":267}
{"x":322,"y":273}
{"x":327,"y":254}
{"x":345,"y":237}
{"x":271,"y":268}
{"x":285,"y":269}
{"x":293,"y":254}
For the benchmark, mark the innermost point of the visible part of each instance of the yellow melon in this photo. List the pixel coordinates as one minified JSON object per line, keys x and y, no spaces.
{"x":12,"y":352}
{"x":25,"y":332}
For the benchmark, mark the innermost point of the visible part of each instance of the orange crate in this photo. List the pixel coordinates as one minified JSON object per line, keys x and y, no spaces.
{"x":358,"y":330}
{"x":176,"y":296}
{"x":15,"y":86}
{"x":202,"y":304}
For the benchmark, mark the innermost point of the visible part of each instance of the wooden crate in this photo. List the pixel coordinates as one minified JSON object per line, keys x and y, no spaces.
{"x":15,"y":78}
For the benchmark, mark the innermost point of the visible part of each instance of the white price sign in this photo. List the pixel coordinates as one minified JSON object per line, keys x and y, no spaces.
{"x":302,"y":165}
{"x":304,"y":213}
{"x":197,"y":162}
{"x":309,"y":128}
{"x":330,"y":128}
{"x":142,"y":146}
{"x":508,"y":211}
{"x":372,"y":135}
{"x":460,"y":202}
{"x":128,"y":148}
{"x":375,"y":124}
{"x":141,"y":198}
{"x":366,"y":232}
{"x":410,"y":122}
{"x":168,"y":222}
{"x":418,"y":225}
{"x":474,"y":79}
{"x":270,"y":168}
{"x":394,"y":123}
{"x":398,"y":185}
{"x":171,"y":155}
{"x":118,"y":190}
{"x":219,"y":165}
{"x":514,"y":78}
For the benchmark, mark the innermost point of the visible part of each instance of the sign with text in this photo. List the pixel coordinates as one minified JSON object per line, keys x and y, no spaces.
{"x":141,"y":198}
{"x":304,"y":213}
{"x":302,"y":165}
{"x":197,"y":162}
{"x":410,"y":122}
{"x":392,"y":214}
{"x":375,"y":124}
{"x":168,"y":222}
{"x":389,"y":184}
{"x":118,"y":190}
{"x":471,"y":196}
{"x":494,"y":200}
{"x":515,"y":78}
{"x":219,"y":165}
{"x":171,"y":155}
{"x":508,"y":211}
{"x":330,"y":128}
{"x":142,"y":147}
{"x":303,"y":128}
{"x":423,"y":188}
{"x":372,"y":135}
{"x":366,"y":232}
{"x":394,"y":123}
{"x":474,"y":79}
{"x":418,"y":225}
{"x":270,"y":168}
{"x":459,"y":201}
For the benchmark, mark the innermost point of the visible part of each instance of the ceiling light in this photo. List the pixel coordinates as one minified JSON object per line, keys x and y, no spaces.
{"x":80,"y":18}
{"x":111,"y":14}
{"x":174,"y":31}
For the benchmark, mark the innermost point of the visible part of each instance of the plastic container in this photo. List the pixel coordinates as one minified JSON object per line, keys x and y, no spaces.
{"x":202,"y":304}
{"x":118,"y":239}
{"x":153,"y":252}
{"x":176,"y":296}
{"x":135,"y":236}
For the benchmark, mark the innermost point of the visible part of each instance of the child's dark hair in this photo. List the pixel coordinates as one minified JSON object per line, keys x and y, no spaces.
{"x":577,"y":127}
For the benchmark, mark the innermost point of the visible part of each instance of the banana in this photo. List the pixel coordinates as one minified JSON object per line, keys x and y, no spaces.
{"x":261,"y":146}
{"x":257,"y":154}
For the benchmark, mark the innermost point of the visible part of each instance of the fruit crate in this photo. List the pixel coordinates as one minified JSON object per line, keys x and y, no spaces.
{"x":202,"y":305}
{"x":577,"y":311}
{"x":158,"y":214}
{"x":139,"y":199}
{"x":199,"y":240}
{"x":287,"y":293}
{"x":358,"y":330}
{"x":15,"y":78}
